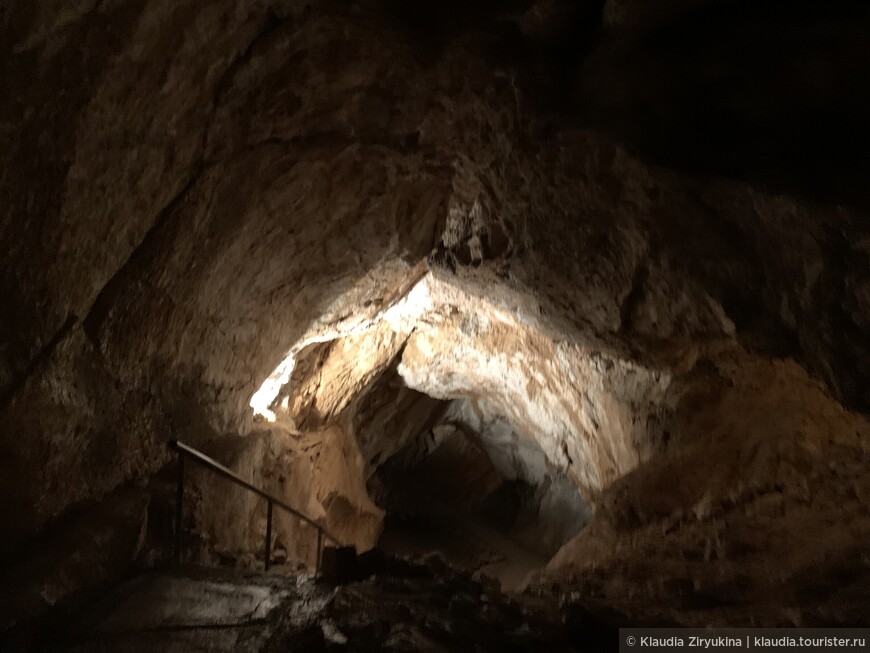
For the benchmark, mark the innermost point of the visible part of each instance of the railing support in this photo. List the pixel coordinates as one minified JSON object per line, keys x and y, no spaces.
{"x":179,"y":506}
{"x":319,"y":551}
{"x":186,"y":451}
{"x":267,"y":558}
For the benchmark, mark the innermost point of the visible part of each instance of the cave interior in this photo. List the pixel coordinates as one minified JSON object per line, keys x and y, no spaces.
{"x":543,"y":317}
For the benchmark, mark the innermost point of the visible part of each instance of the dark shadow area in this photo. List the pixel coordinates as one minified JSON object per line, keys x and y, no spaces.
{"x":452,"y":497}
{"x":770,"y":93}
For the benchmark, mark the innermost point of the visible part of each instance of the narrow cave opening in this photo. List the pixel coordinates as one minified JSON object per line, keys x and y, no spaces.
{"x":479,"y":493}
{"x":443,"y":470}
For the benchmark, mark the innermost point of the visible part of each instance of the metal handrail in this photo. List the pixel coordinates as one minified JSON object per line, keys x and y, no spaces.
{"x":185,"y":450}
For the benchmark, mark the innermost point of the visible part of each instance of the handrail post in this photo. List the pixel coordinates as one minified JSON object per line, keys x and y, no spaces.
{"x":187,"y":452}
{"x":268,"y":555}
{"x":179,"y":506}
{"x":319,"y":552}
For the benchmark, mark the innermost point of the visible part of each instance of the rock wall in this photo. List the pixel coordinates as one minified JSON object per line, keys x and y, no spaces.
{"x":319,"y":474}
{"x":752,"y":515}
{"x":189,"y":191}
{"x":173,"y":311}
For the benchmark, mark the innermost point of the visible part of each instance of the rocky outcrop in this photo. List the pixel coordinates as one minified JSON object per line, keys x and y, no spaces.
{"x":750,"y":516}
{"x":355,"y":214}
{"x":89,"y":549}
{"x":676,"y":411}
{"x":320,"y":474}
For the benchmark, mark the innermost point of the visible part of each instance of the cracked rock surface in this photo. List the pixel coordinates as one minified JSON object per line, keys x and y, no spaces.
{"x":398,"y":608}
{"x":635,"y":236}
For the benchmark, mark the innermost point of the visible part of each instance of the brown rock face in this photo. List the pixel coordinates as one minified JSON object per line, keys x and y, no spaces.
{"x":743,"y":494}
{"x":575,"y":253}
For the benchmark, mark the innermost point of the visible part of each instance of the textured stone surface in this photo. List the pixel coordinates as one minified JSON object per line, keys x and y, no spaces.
{"x":320,"y":474}
{"x":89,"y":548}
{"x":768,"y":509}
{"x":187,"y":610}
{"x":397,"y":607}
{"x":551,"y":509}
{"x":192,"y":192}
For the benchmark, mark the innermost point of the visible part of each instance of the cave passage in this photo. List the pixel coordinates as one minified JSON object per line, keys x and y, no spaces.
{"x":480,"y":494}
{"x":555,"y":314}
{"x":450,"y":472}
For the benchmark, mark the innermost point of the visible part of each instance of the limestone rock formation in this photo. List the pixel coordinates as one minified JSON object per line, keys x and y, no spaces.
{"x":610,"y":259}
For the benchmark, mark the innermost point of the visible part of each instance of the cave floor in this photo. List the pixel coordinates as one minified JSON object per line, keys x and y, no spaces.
{"x":400,"y":607}
{"x":467,"y":543}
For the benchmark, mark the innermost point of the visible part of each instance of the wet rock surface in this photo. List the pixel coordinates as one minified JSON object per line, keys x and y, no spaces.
{"x":396,"y":606}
